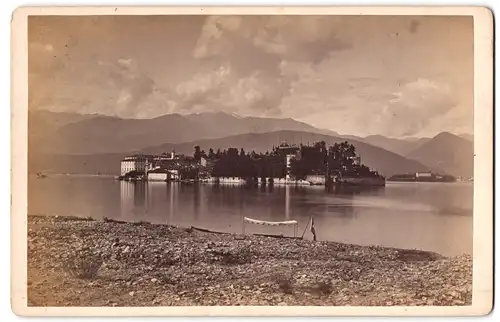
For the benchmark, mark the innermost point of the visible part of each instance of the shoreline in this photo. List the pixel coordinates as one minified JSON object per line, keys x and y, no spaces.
{"x":76,"y":261}
{"x":348,"y":182}
{"x":56,"y":217}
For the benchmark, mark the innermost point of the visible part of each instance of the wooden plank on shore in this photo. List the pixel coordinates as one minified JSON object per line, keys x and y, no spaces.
{"x":277,"y":236}
{"x":224,"y":233}
{"x":208,"y":231}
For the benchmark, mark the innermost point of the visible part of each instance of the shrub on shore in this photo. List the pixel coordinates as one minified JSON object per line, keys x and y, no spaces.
{"x":84,"y":267}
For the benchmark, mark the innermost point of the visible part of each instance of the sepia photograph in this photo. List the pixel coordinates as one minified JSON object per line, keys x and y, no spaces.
{"x":218,"y":159}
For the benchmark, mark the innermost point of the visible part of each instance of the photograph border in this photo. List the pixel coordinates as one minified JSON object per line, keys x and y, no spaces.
{"x":482,"y":298}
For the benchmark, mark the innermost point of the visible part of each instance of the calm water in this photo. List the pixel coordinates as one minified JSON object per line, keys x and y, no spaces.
{"x":429,"y":216}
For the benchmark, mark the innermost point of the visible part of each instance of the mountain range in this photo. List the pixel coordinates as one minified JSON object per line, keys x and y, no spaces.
{"x":74,"y":143}
{"x":105,"y":134}
{"x":447,"y":152}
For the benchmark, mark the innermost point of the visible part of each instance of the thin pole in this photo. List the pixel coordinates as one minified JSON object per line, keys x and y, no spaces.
{"x":313,"y":230}
{"x":306,"y":227}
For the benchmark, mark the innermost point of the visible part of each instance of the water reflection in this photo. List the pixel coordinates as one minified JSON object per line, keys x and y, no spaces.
{"x":287,"y":202}
{"x":427,"y":216}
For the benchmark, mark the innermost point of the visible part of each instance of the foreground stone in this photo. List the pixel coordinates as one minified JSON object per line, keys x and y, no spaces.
{"x":81,"y":262}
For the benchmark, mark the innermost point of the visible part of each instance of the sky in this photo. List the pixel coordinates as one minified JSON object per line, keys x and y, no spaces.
{"x":361,"y":75}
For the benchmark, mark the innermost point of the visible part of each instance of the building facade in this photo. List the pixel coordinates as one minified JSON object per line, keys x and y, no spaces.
{"x":289,"y":152}
{"x":136,"y":163}
{"x":356,"y":160}
{"x":145,"y":163}
{"x":423,"y":174}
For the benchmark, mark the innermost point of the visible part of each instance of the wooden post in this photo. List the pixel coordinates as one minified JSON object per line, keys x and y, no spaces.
{"x":313,"y":230}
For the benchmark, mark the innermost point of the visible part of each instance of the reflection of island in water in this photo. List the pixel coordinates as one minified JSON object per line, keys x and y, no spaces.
{"x":198,"y":204}
{"x":407,"y":215}
{"x":142,"y":201}
{"x":410,"y":215}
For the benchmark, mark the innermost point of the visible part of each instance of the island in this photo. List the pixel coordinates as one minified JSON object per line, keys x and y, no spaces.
{"x":422,"y":177}
{"x":312,"y":164}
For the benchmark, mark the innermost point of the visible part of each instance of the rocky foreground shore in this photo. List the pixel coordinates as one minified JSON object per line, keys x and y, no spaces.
{"x":82,"y":262}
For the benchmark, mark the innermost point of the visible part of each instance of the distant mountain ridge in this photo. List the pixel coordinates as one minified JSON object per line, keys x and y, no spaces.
{"x":448,"y":152}
{"x":68,"y":134}
{"x":105,"y":134}
{"x":467,"y":136}
{"x":42,"y":124}
{"x":399,"y":146}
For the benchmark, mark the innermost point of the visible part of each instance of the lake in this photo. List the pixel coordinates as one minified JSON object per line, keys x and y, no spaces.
{"x":427,"y":216}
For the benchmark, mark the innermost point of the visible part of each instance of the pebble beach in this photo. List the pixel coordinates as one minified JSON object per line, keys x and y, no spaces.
{"x":85,"y":262}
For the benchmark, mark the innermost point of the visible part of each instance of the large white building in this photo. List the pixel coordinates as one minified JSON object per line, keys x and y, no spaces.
{"x":423,"y":174}
{"x":139,"y":163}
{"x":144,"y":163}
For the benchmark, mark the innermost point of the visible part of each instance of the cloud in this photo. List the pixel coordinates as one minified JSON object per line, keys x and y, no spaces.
{"x":303,"y":38}
{"x":125,"y":62}
{"x":416,"y":105}
{"x":257,"y":95}
{"x":202,"y":83}
{"x":197,"y":91}
{"x":224,"y":90}
{"x":357,"y":75}
{"x":108,"y":87}
{"x":254,"y":54}
{"x":132,"y":85}
{"x":300,"y":38}
{"x":370,"y":105}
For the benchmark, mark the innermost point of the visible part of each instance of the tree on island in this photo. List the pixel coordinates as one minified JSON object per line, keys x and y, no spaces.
{"x":318,"y":159}
{"x":334,"y":160}
{"x":197,"y":153}
{"x":211,"y":154}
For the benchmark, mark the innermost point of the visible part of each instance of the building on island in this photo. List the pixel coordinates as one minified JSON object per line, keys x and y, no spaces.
{"x":135,"y":163}
{"x":143,"y":163}
{"x":356,"y":160}
{"x":162,"y":167}
{"x":273,"y":167}
{"x":163,"y":175}
{"x":423,"y":174}
{"x":289,"y":152}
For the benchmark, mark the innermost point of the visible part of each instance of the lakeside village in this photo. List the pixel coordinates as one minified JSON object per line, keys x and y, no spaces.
{"x":314,"y":164}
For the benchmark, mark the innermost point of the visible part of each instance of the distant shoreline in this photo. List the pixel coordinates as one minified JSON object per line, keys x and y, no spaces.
{"x":114,"y":177}
{"x":49,"y":174}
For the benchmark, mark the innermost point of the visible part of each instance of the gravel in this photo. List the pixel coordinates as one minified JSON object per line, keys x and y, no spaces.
{"x":82,"y":262}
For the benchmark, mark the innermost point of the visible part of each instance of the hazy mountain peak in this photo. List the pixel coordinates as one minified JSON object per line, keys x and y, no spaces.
{"x":448,"y":152}
{"x":445,"y":134}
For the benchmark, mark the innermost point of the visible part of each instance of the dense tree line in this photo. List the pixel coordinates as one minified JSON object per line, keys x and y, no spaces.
{"x":234,"y":163}
{"x":338,"y":159}
{"x":318,"y":159}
